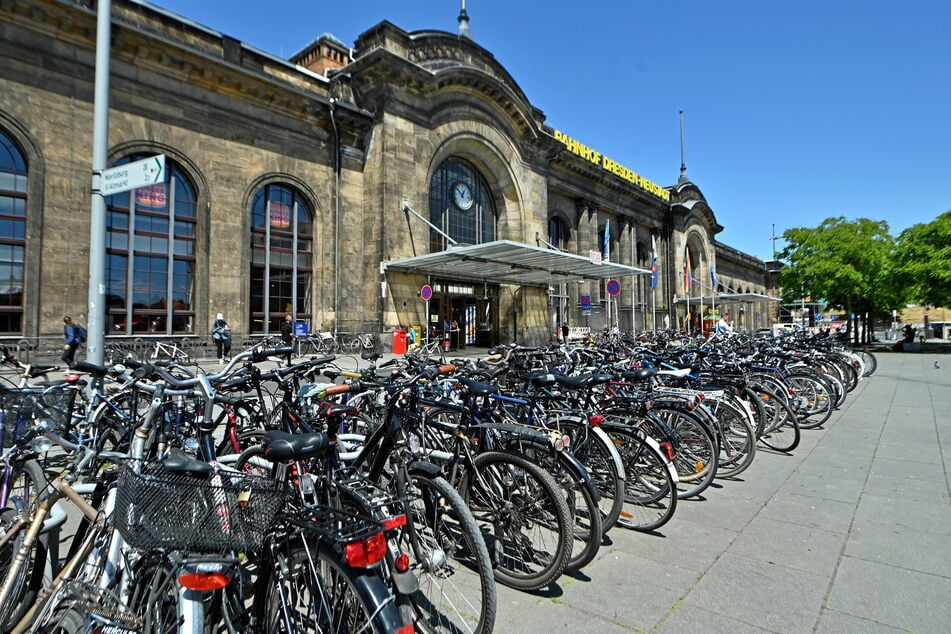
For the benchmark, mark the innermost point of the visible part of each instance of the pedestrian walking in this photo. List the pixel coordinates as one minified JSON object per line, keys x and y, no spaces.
{"x":72,"y":339}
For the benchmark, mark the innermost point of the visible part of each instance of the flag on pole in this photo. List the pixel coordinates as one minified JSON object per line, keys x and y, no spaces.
{"x":687,"y":267}
{"x":713,"y":278}
{"x":653,"y":263}
{"x":607,"y":241}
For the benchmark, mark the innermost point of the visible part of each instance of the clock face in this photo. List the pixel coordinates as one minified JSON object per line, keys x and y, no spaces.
{"x":462,"y":196}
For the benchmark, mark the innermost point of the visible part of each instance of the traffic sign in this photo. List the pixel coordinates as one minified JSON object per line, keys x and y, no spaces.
{"x":585,"y":304}
{"x":833,"y":317}
{"x":818,"y":316}
{"x":426,"y":292}
{"x":613,"y":287}
{"x":132,"y":175}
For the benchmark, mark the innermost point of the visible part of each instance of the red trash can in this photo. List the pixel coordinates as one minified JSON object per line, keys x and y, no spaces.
{"x":399,"y":342}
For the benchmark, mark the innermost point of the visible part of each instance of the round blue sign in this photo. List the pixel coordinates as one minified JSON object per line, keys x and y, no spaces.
{"x":426,"y":292}
{"x":613,"y":287}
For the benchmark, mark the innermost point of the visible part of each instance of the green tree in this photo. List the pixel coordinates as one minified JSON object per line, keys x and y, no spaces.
{"x":848,"y":264}
{"x":922,"y":261}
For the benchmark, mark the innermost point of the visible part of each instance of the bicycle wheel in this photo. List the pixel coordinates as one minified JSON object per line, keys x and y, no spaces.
{"x":696,"y":457}
{"x":650,"y":481}
{"x":782,"y":431}
{"x":812,"y":400}
{"x":870,"y":361}
{"x":596,"y":452}
{"x":519,"y":507}
{"x":154,"y":594}
{"x":737,"y":439}
{"x":310,"y":588}
{"x":578,"y":492}
{"x":456,"y":584}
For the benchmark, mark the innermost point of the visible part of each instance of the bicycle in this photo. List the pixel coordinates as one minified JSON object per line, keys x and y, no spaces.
{"x":168,"y":350}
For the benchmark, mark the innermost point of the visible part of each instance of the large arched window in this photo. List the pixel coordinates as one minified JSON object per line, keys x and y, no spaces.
{"x":461,"y":205}
{"x":281,"y":258}
{"x":150,"y":256}
{"x":12,"y":235}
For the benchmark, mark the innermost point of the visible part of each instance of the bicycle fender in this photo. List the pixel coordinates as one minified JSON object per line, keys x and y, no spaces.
{"x":615,"y":455}
{"x":426,"y":469}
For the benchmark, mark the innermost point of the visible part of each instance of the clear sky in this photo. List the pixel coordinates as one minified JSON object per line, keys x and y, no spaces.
{"x":794,"y":110}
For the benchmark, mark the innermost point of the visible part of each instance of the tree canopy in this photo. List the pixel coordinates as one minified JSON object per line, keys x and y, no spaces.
{"x":845,"y":263}
{"x":922,"y":261}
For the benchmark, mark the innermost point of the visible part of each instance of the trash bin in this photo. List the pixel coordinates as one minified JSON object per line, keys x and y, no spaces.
{"x":399,"y":342}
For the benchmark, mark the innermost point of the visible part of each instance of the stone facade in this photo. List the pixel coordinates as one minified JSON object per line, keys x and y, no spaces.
{"x":356,"y":144}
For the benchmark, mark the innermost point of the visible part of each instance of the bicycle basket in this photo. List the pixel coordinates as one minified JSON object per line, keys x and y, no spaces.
{"x":226,"y":511}
{"x":21,"y":408}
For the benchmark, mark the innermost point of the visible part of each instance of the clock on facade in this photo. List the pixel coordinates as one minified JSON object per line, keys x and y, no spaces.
{"x":462,"y":196}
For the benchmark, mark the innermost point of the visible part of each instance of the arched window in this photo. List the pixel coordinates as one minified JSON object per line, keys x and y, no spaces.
{"x":282,"y":238}
{"x":150,"y":256}
{"x":13,"y":173}
{"x":461,"y":205}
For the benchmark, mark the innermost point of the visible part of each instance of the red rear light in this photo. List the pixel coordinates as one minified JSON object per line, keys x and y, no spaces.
{"x":406,"y":629}
{"x":668,"y":450}
{"x":367,"y":552}
{"x":595,"y":420}
{"x":402,"y":562}
{"x":204,"y":581}
{"x":72,"y":377}
{"x":393,"y":522}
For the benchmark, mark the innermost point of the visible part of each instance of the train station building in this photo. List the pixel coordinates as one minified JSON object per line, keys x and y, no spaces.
{"x":341,"y":185}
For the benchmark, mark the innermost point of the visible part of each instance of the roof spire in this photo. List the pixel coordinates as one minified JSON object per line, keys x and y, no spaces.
{"x":464,"y":22}
{"x":683,"y":165}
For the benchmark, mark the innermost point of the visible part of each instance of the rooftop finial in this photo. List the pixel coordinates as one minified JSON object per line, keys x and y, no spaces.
{"x":683,"y":165}
{"x":464,"y":22}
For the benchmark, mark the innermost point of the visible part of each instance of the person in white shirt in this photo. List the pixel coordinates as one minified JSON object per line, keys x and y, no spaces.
{"x":725,"y":324}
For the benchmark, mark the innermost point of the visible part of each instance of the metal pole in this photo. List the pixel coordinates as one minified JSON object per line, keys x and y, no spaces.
{"x":333,"y":122}
{"x":96,"y":308}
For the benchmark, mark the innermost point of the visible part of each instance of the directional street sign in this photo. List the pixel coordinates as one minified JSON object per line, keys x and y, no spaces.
{"x":132,"y":175}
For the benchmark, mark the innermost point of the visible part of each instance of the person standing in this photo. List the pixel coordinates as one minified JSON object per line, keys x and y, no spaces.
{"x":71,"y":340}
{"x":221,"y":335}
{"x":287,"y":334}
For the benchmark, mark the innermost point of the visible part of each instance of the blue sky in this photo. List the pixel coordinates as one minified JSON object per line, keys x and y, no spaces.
{"x":794,"y":111}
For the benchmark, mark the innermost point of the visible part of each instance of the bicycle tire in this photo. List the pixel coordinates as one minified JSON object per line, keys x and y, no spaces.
{"x":737,"y":440}
{"x":870,"y":361}
{"x":310,"y":588}
{"x":650,"y":486}
{"x":696,"y":457}
{"x":783,"y":433}
{"x":599,"y":456}
{"x":813,"y":400}
{"x":452,"y":564}
{"x":153,"y":594}
{"x":28,"y":581}
{"x":519,"y":506}
{"x":578,"y":495}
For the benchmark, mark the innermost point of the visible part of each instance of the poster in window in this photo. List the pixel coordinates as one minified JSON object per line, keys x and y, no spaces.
{"x":151,"y":196}
{"x":280,"y":215}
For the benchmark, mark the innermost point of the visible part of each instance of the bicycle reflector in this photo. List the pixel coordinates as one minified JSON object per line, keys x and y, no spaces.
{"x":366,"y":552}
{"x":72,"y":377}
{"x":595,"y":420}
{"x":402,"y":562}
{"x":668,"y":449}
{"x":393,"y":522}
{"x":204,"y":581}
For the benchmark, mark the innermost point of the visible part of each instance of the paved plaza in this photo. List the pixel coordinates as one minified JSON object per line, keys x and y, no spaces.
{"x":851,"y":533}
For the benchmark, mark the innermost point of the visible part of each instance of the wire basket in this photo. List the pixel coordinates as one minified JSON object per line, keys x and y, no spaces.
{"x":225,"y":511}
{"x":20,"y":409}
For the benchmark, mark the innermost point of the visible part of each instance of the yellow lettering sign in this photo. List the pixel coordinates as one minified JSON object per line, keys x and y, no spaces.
{"x":581,"y":150}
